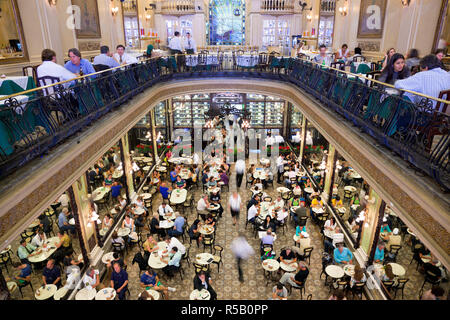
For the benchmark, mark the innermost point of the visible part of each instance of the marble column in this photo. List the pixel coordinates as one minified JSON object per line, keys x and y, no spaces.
{"x":303,"y":138}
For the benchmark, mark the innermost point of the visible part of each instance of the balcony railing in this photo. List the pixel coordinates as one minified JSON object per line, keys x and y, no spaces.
{"x":277,"y":6}
{"x":415,"y":131}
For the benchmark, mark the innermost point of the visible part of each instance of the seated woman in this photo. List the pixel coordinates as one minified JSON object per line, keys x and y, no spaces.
{"x":156,"y":179}
{"x":116,"y":239}
{"x":128,"y":222}
{"x":194,"y":233}
{"x":107,"y":221}
{"x":108,"y":181}
{"x":294,"y":201}
{"x":395,"y":70}
{"x":257,"y":183}
{"x":70,"y":261}
{"x":358,"y":276}
{"x":268,"y":223}
{"x":330,"y":224}
{"x":210,"y":221}
{"x":389,"y":275}
{"x":301,"y":227}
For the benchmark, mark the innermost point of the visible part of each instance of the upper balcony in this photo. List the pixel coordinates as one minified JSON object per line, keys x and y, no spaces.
{"x":280,"y":7}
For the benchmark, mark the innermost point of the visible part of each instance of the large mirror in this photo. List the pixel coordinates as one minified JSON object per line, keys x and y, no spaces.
{"x":326,"y":23}
{"x":131,"y":23}
{"x":442,"y":36}
{"x":12,"y":41}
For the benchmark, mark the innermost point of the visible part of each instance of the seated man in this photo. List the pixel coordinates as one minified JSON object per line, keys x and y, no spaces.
{"x":281,"y":216}
{"x":215,"y":199}
{"x":63,"y":221}
{"x":78,"y":65}
{"x":39,"y":239}
{"x":178,"y":226}
{"x":149,"y":279}
{"x":278,"y":203}
{"x":338,"y":237}
{"x":431,"y":80}
{"x":202,"y":205}
{"x":105,"y":58}
{"x":174,"y":242}
{"x":379,"y":253}
{"x":253,"y":212}
{"x":164,"y":190}
{"x":180,"y":183}
{"x":298,"y":213}
{"x":25,"y":250}
{"x":92,"y":278}
{"x":433,"y":271}
{"x":25,"y":273}
{"x":119,"y":280}
{"x":287,"y":256}
{"x":298,"y":279}
{"x":203,"y":281}
{"x":163,"y":209}
{"x":173,"y":262}
{"x":51,"y":274}
{"x":123,"y":58}
{"x":279,"y":292}
{"x":267,"y":238}
{"x":49,"y":67}
{"x":343,"y":255}
{"x":173,"y":175}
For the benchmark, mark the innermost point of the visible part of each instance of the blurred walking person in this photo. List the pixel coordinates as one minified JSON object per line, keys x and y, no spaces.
{"x":242,"y":251}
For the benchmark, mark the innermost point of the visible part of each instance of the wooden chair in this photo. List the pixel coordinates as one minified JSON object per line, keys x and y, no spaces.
{"x":444,"y":95}
{"x":357,"y":289}
{"x":301,"y":289}
{"x":307,"y":254}
{"x":400,"y":286}
{"x":217,"y":259}
{"x":30,"y":71}
{"x":200,"y":267}
{"x":208,"y":241}
{"x":23,"y":285}
{"x":4,"y":259}
{"x":394,"y":250}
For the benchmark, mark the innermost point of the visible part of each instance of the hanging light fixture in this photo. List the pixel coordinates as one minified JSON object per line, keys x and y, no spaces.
{"x":406,"y":3}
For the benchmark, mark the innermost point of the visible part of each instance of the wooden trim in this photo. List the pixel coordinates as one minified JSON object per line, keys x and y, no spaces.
{"x":440,"y":24}
{"x":372,"y":35}
{"x":21,"y":33}
{"x":98,"y":34}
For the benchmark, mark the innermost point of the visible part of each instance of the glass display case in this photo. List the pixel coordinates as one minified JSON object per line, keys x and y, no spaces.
{"x":160,"y":114}
{"x":182,"y":113}
{"x":274,"y":113}
{"x":256,"y":110}
{"x":296,"y":118}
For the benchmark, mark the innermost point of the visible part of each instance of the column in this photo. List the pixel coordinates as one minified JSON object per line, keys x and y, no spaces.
{"x":286,"y":127}
{"x":376,"y":238}
{"x":303,"y":137}
{"x":369,"y":225}
{"x":86,"y":229}
{"x":329,"y":172}
{"x":76,"y":217}
{"x":155,"y":143}
{"x":122,"y":159}
{"x":128,"y":166}
{"x":170,"y":122}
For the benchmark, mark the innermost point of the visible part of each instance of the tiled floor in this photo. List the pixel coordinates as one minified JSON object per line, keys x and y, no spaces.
{"x":226,"y":282}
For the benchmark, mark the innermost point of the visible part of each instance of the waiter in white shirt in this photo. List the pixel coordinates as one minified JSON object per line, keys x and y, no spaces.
{"x":164,"y":208}
{"x":189,"y":44}
{"x":123,"y":58}
{"x":175,"y":44}
{"x":51,"y":69}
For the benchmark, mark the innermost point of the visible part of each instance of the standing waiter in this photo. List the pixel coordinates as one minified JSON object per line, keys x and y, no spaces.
{"x":189,"y":44}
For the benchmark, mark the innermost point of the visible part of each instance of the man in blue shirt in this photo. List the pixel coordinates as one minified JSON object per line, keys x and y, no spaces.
{"x":178,"y":226}
{"x":25,"y":273}
{"x":119,"y":280}
{"x":173,"y":176}
{"x":164,"y":190}
{"x":342,"y":255}
{"x":63,"y":222}
{"x":78,"y":65}
{"x":115,"y":190}
{"x":149,"y":279}
{"x":105,"y":58}
{"x":267,"y":238}
{"x":379,"y":253}
{"x":51,"y":274}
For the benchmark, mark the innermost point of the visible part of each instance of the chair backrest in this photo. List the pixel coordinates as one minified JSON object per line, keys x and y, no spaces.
{"x":45,"y":81}
{"x":309,"y":297}
{"x":395,"y":248}
{"x":441,"y":96}
{"x":359,"y":59}
{"x":307,"y":252}
{"x":101,"y":67}
{"x":402,"y":283}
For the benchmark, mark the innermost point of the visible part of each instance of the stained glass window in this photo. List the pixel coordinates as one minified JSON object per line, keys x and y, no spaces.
{"x":226,"y":22}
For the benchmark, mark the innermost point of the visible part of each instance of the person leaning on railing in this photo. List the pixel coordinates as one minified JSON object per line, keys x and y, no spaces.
{"x":430,"y":81}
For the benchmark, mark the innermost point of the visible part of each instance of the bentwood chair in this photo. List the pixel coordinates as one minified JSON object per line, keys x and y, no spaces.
{"x":4,"y":259}
{"x":217,"y":259}
{"x":307,"y":254}
{"x":301,"y":289}
{"x":358,"y":288}
{"x":208,"y":241}
{"x":23,"y":285}
{"x":400,"y":286}
{"x":200,"y":267}
{"x":186,"y":255}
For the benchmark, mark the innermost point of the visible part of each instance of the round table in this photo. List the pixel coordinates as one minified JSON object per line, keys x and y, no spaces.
{"x":86,"y":294}
{"x":154,"y":260}
{"x":138,"y":211}
{"x":155,"y":294}
{"x":270,"y":265}
{"x":45,"y":293}
{"x":103,"y":231}
{"x":397,"y":269}
{"x":260,"y":174}
{"x":288,"y":267}
{"x":123,"y":232}
{"x":213,"y":207}
{"x":309,"y":190}
{"x":45,"y":253}
{"x":213,"y":189}
{"x":334,"y":271}
{"x":318,"y":210}
{"x":100,"y":193}
{"x":7,"y":249}
{"x":282,"y":190}
{"x":146,"y":196}
{"x":108,"y":257}
{"x":161,"y":169}
{"x":206,"y":229}
{"x":427,"y":259}
{"x":117,"y":174}
{"x":169,"y":216}
{"x":264,"y":161}
{"x":328,"y":233}
{"x":178,"y":196}
{"x":203,"y":258}
{"x":106,"y":294}
{"x":349,"y":269}
{"x":200,"y":295}
{"x":350,"y":188}
{"x":60,"y":293}
{"x":341,"y":209}
{"x":166,"y":224}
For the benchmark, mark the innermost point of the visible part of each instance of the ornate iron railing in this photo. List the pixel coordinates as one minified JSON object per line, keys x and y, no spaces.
{"x":415,"y":131}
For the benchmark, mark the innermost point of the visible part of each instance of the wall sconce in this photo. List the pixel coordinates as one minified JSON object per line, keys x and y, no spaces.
{"x":148,"y":17}
{"x":406,"y":3}
{"x":52,"y":2}
{"x":309,"y":17}
{"x":343,"y":10}
{"x":114,"y":10}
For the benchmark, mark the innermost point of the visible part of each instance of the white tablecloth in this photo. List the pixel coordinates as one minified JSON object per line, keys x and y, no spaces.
{"x":247,"y":60}
{"x":192,"y":60}
{"x":21,"y":81}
